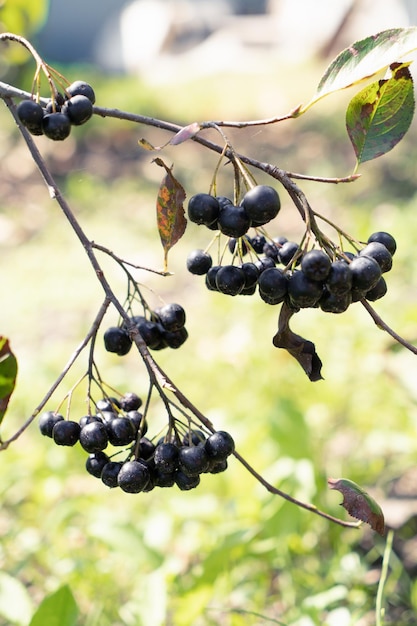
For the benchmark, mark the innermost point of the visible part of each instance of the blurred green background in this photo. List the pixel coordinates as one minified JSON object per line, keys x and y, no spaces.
{"x":227,"y":553}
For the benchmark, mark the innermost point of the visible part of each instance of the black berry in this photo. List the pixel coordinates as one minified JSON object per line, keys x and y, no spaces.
{"x":365,"y":273}
{"x":316,"y":265}
{"x":273,"y":285}
{"x":133,"y":476}
{"x":47,"y":422}
{"x":81,"y":88}
{"x":94,"y":437}
{"x":219,"y":445}
{"x":79,"y":109}
{"x":95,"y":463}
{"x":386,"y":239}
{"x":193,"y":460}
{"x":303,"y":291}
{"x":66,"y":433}
{"x":287,"y":252}
{"x":233,"y":221}
{"x":117,"y":340}
{"x":30,"y":113}
{"x":56,"y":126}
{"x":130,"y":402}
{"x":230,"y":280}
{"x":199,"y":262}
{"x":120,"y":431}
{"x":203,"y":209}
{"x":171,"y":316}
{"x":110,"y":473}
{"x":261,"y":204}
{"x":166,"y":457}
{"x":380,"y":253}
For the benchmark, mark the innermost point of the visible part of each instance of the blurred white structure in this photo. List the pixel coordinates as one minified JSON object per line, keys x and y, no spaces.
{"x":165,"y":40}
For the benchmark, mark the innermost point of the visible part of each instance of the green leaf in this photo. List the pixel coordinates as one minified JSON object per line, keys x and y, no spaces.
{"x":170,"y":211}
{"x":378,"y":117}
{"x":364,"y":59}
{"x":8,"y":373}
{"x":359,"y":503}
{"x":57,"y":609}
{"x":15,"y":602}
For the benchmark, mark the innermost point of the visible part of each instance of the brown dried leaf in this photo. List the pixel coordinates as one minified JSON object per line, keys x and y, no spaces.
{"x":170,"y":211}
{"x":301,"y":349}
{"x":359,"y":503}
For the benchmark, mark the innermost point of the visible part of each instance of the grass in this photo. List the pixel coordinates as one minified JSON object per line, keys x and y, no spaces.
{"x":228,"y":553}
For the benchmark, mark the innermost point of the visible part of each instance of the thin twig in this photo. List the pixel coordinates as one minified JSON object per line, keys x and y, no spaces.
{"x":91,"y":333}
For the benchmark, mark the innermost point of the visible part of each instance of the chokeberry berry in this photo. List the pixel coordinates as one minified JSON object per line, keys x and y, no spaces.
{"x":130,"y":401}
{"x":316,"y":265}
{"x":81,"y":88}
{"x":117,"y":340}
{"x":95,"y":463}
{"x":273,"y":285}
{"x":233,"y":221}
{"x":151,"y":333}
{"x":203,"y":209}
{"x":380,"y":253}
{"x":219,"y":445}
{"x":386,"y":239}
{"x":193,"y":438}
{"x":30,"y":113}
{"x":288,"y":251}
{"x":365,"y":273}
{"x":110,"y":472}
{"x":186,"y":482}
{"x":166,"y":457}
{"x":56,"y":126}
{"x":146,"y":448}
{"x":262,"y":204}
{"x":79,"y":109}
{"x":171,"y":316}
{"x":339,"y":279}
{"x":133,"y":476}
{"x":230,"y":280}
{"x":108,"y":404}
{"x":47,"y":421}
{"x":378,"y":291}
{"x":94,"y":437}
{"x":257,"y":243}
{"x":211,"y":278}
{"x":138,"y":421}
{"x":194,"y":460}
{"x":335,"y":302}
{"x":303,"y":291}
{"x":251,"y":273}
{"x":121,"y":431}
{"x":199,"y":262}
{"x":66,"y":433}
{"x":175,"y":339}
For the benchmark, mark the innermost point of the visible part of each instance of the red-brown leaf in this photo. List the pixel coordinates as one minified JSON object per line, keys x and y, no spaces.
{"x":359,"y":503}
{"x":170,"y":211}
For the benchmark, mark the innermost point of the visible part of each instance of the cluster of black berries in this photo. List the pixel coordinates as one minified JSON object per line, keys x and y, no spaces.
{"x":164,"y":329}
{"x":307,"y":279}
{"x":55,"y":119}
{"x":119,"y":423}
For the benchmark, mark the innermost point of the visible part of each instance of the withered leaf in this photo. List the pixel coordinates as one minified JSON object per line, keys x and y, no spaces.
{"x":301,"y":349}
{"x":359,"y":503}
{"x":170,"y":211}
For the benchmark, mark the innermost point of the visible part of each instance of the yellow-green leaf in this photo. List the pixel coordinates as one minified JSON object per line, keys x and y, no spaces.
{"x":378,"y":117}
{"x":170,"y":211}
{"x":364,"y":59}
